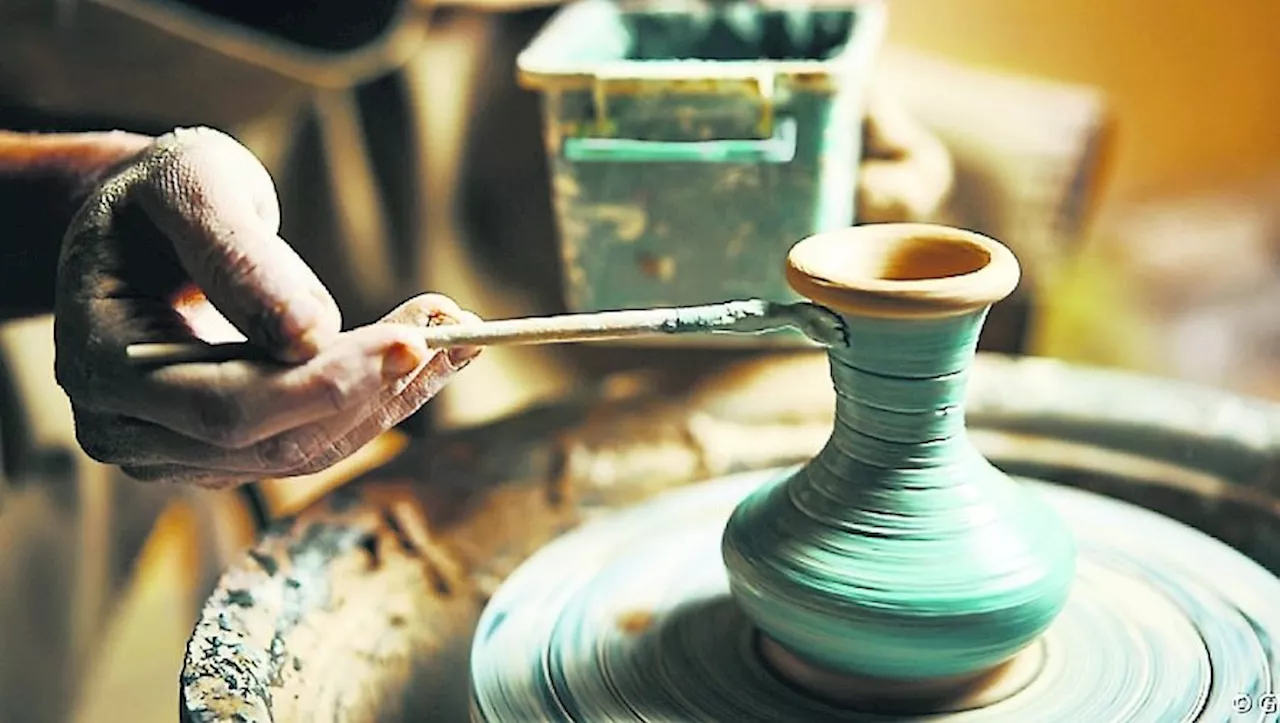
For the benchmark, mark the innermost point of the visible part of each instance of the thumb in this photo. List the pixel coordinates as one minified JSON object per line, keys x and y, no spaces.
{"x":217,"y":205}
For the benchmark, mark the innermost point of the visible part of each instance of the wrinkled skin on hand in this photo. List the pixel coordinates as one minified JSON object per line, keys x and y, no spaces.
{"x":182,"y":244}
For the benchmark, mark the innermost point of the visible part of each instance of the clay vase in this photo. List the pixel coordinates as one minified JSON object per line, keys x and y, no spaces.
{"x":899,"y":553}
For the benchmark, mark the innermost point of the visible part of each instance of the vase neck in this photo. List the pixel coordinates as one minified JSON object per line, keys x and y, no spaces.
{"x":911,"y":348}
{"x":900,"y":388}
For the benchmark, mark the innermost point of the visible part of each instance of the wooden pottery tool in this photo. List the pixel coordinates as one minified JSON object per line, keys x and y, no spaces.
{"x":898,"y":573}
{"x":748,"y":316}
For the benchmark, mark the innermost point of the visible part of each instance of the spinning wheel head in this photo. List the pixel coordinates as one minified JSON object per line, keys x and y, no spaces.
{"x":629,"y":619}
{"x":902,"y":270}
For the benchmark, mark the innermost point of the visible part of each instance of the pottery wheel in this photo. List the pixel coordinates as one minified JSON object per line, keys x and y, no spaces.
{"x":629,"y":618}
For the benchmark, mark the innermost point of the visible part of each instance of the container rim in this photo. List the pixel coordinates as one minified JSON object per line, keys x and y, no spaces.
{"x":538,"y":69}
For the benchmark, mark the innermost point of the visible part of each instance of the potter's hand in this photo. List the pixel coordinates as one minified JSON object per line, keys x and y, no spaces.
{"x":182,"y":245}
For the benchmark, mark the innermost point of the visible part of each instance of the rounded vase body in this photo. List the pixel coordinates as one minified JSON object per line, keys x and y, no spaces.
{"x":899,"y":552}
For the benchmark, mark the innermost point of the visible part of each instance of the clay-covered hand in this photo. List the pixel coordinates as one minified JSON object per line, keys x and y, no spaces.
{"x":181,"y":245}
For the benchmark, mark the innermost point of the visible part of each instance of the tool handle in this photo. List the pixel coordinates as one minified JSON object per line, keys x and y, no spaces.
{"x":568,"y":328}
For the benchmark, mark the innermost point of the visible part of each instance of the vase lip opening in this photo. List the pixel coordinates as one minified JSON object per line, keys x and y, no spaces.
{"x":902,"y":270}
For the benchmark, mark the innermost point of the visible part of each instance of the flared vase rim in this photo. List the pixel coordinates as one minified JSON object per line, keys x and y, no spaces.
{"x":902,"y":270}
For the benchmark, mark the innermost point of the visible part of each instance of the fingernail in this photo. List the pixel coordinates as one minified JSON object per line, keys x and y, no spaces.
{"x":400,"y":359}
{"x":460,"y":356}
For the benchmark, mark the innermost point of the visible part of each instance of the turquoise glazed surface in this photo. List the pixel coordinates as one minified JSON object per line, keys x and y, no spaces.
{"x":899,"y":552}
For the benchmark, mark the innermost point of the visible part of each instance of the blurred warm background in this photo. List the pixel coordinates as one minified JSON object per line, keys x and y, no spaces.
{"x":1178,"y":274}
{"x":1192,"y":84}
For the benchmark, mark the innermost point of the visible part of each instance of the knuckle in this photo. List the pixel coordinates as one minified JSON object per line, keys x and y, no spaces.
{"x":284,"y":452}
{"x":86,"y":390}
{"x":192,"y":152}
{"x":181,"y":142}
{"x":71,"y":369}
{"x":67,"y":375}
{"x":336,"y":391}
{"x":221,"y":419}
{"x":95,"y":445}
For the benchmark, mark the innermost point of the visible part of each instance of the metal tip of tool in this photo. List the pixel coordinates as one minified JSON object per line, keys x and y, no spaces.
{"x":819,"y":324}
{"x":754,"y":316}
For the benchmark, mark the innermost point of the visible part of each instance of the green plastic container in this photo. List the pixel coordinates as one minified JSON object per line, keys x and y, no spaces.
{"x":691,"y":144}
